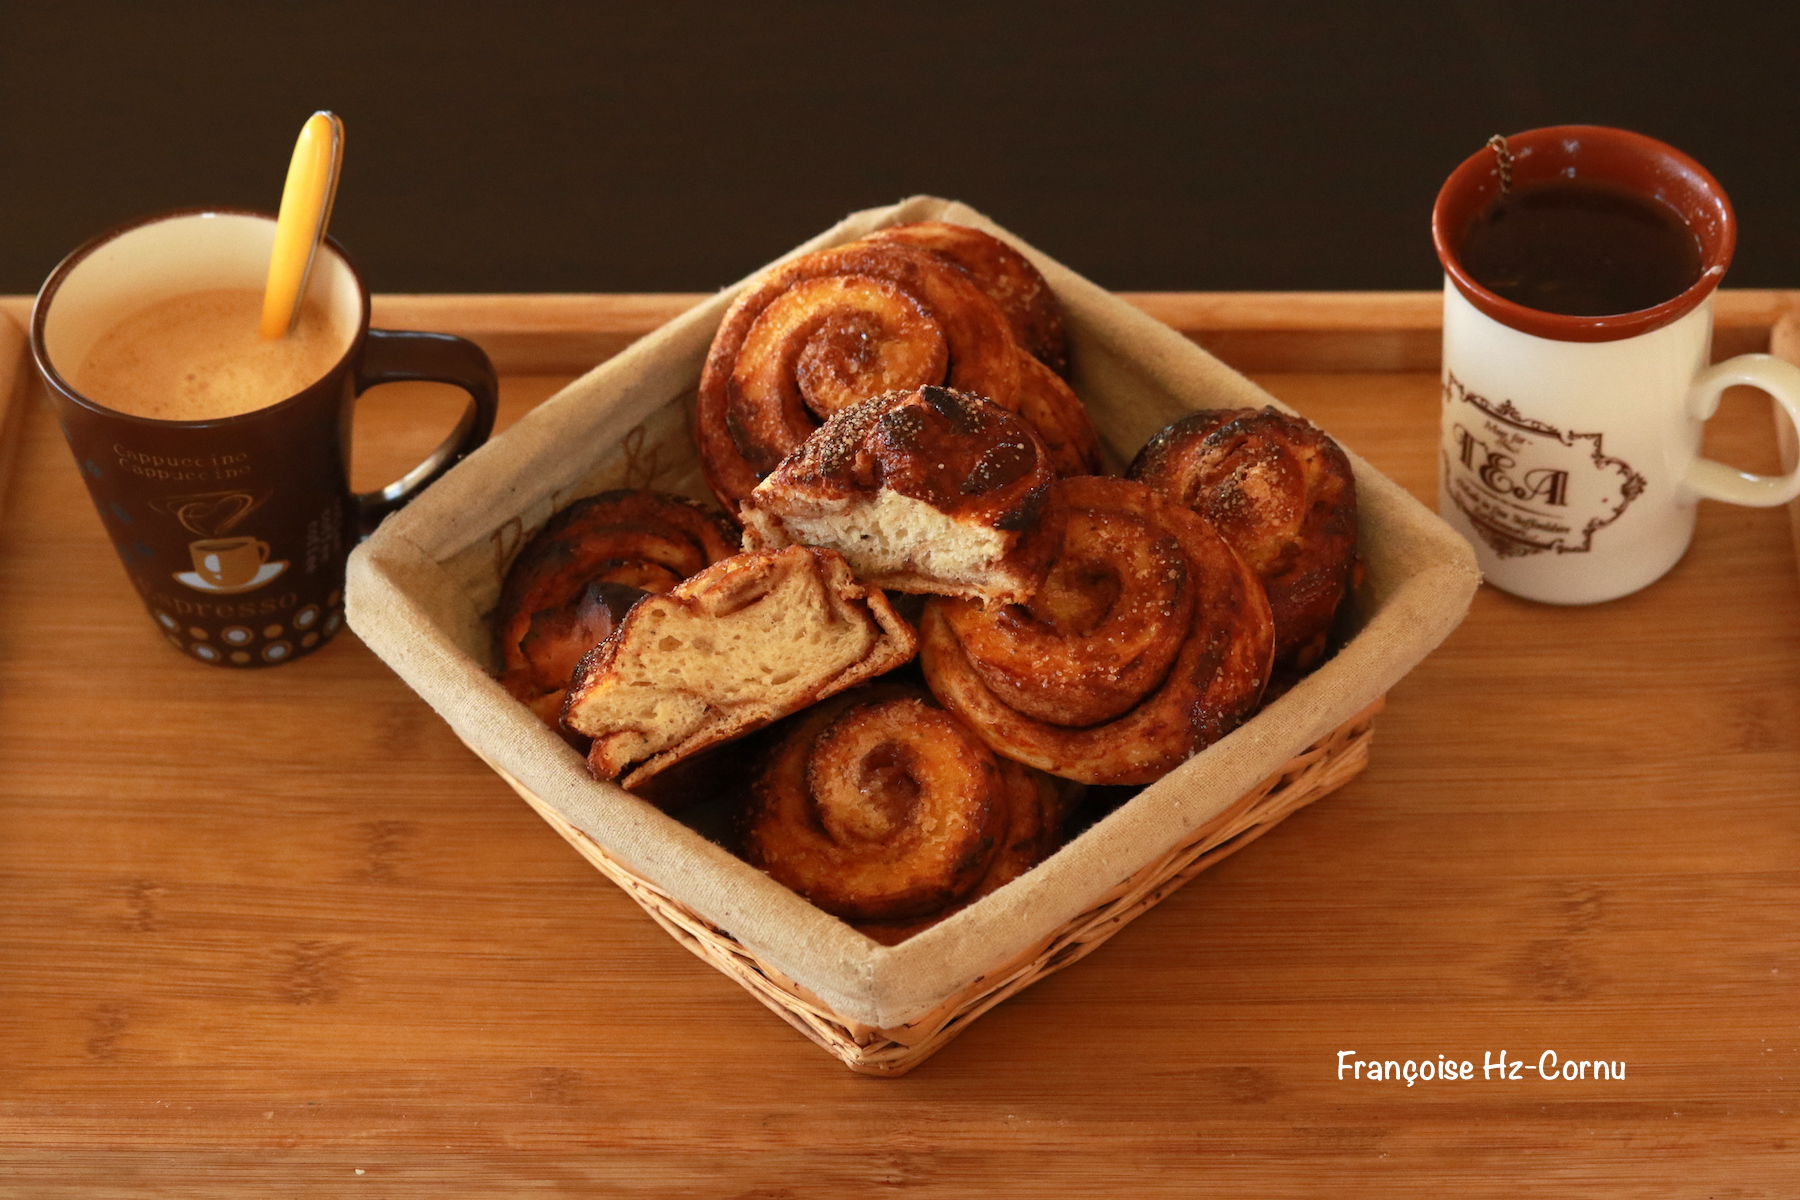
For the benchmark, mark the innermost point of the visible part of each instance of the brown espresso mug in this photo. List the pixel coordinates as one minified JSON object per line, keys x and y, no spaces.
{"x":235,"y":529}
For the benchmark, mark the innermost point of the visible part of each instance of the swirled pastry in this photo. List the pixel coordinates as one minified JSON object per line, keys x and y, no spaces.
{"x":1038,"y":807}
{"x":573,"y":582}
{"x":925,"y":491}
{"x":1283,"y":494}
{"x":881,"y":806}
{"x":1148,"y":641}
{"x":1008,"y":278}
{"x":748,"y":640}
{"x":838,"y":326}
{"x":1035,"y":318}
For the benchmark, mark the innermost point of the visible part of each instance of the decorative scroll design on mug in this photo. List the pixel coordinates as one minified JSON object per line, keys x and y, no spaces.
{"x":1527,"y":486}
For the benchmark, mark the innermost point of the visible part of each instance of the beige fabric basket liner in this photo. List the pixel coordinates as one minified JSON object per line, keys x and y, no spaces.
{"x":421,"y":587}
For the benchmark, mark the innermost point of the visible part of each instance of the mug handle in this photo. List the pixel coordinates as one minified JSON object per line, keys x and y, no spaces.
{"x":401,"y":356}
{"x":1716,"y":481}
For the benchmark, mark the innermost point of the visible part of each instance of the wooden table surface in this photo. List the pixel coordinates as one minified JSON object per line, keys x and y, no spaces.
{"x":279,"y":933}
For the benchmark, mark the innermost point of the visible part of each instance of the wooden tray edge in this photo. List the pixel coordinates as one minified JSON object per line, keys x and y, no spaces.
{"x":1325,"y":332}
{"x":16,"y":377}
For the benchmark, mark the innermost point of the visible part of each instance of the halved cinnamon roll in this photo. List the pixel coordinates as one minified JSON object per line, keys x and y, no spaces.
{"x":573,"y":582}
{"x":925,"y":491}
{"x":1148,"y":641}
{"x":745,"y":642}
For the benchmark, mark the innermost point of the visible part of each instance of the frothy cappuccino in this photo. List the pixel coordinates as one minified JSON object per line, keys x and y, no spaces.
{"x":199,"y":357}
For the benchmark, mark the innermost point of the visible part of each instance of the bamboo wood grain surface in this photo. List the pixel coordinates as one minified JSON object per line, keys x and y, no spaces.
{"x":278,"y":933}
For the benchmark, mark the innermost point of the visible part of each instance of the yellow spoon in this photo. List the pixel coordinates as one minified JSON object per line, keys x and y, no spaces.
{"x":306,"y":198}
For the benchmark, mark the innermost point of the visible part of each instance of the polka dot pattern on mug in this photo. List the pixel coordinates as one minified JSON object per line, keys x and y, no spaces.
{"x":238,"y":645}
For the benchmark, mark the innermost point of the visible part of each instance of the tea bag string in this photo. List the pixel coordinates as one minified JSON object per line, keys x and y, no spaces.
{"x":1503,"y":154}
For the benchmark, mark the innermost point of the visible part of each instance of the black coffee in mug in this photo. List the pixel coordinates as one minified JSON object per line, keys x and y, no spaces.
{"x":1583,"y":248}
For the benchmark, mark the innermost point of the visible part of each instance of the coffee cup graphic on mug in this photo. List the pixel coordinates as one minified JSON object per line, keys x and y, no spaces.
{"x":1580,"y":264}
{"x":219,"y":464}
{"x":227,"y":565}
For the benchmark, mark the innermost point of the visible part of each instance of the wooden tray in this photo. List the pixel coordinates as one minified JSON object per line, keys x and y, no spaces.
{"x":266,"y":929}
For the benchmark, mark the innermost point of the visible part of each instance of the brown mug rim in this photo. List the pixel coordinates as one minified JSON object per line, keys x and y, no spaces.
{"x":47,"y":294}
{"x":1458,"y":197}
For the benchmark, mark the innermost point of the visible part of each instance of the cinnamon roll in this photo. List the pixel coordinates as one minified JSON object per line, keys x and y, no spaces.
{"x":573,"y":582}
{"x":1038,"y":808}
{"x":1008,"y":278}
{"x":1284,"y":495}
{"x":925,"y":491}
{"x":829,"y":329}
{"x":1148,"y":641}
{"x":880,"y":806}
{"x":839,"y":326}
{"x":1035,"y":318}
{"x":745,"y":642}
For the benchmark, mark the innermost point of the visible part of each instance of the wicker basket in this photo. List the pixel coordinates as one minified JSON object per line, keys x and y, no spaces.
{"x":421,"y":586}
{"x":1308,"y":776}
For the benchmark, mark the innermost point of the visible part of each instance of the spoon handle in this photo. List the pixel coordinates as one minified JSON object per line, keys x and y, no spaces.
{"x":306,"y":200}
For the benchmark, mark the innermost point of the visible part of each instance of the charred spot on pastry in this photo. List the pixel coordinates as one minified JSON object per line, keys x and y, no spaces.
{"x":904,"y":428}
{"x":1026,"y":515}
{"x":1004,"y":462}
{"x":954,"y":407}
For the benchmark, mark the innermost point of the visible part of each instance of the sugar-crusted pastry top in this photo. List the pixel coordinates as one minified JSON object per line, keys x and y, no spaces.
{"x":926,"y":491}
{"x":1282,"y":493}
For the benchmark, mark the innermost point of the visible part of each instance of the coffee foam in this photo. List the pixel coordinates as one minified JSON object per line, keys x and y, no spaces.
{"x":199,"y":356}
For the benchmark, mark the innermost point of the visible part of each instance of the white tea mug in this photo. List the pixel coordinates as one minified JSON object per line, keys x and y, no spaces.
{"x":1570,"y":454}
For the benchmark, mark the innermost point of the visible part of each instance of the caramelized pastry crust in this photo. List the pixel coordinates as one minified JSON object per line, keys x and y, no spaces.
{"x":745,"y":642}
{"x":1007,"y":277}
{"x":926,"y":491}
{"x":880,"y":806}
{"x":1283,"y":494}
{"x":574,"y":581}
{"x":1053,"y":409}
{"x":1148,"y":641}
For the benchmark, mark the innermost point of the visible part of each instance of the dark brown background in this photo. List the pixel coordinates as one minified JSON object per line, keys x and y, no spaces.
{"x":658,"y":147}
